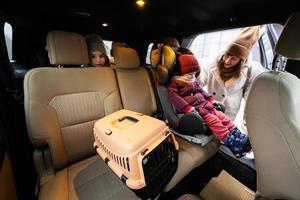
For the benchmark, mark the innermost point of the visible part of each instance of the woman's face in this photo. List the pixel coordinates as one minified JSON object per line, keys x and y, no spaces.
{"x":155,"y":57}
{"x":97,"y":59}
{"x":229,"y":60}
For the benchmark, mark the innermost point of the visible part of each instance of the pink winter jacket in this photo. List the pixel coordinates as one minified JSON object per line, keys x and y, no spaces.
{"x":183,"y":95}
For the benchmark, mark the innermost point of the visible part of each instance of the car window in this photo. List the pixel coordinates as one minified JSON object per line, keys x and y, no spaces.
{"x":107,"y":46}
{"x":270,"y":35}
{"x":267,"y":48}
{"x":8,"y":33}
{"x":208,"y":46}
{"x":147,"y":61}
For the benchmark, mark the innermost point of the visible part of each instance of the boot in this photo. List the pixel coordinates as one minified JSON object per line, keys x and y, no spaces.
{"x":237,"y":142}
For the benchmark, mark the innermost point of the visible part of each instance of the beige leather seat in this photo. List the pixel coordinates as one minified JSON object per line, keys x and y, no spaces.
{"x":189,"y":197}
{"x":273,"y":121}
{"x":137,"y":94}
{"x":61,"y":106}
{"x":134,"y":82}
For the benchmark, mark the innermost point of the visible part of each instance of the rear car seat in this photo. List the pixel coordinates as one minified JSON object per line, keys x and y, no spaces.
{"x":137,"y":95}
{"x":61,"y":106}
{"x":134,"y":82}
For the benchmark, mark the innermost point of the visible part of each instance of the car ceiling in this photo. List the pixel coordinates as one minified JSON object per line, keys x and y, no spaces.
{"x":159,"y":17}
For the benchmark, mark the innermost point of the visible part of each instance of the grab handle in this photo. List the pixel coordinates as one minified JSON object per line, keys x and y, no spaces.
{"x":129,"y":118}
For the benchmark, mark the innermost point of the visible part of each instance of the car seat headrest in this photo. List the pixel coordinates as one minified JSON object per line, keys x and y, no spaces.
{"x":289,"y":40}
{"x":166,"y":64}
{"x":66,"y":48}
{"x":168,"y":57}
{"x":126,"y":58}
{"x":174,"y":62}
{"x":116,"y":44}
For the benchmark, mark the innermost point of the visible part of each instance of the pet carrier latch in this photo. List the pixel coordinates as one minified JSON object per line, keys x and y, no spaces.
{"x":123,"y":178}
{"x":106,"y":160}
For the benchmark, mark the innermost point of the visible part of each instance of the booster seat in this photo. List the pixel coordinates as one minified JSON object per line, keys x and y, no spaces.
{"x":189,"y":126}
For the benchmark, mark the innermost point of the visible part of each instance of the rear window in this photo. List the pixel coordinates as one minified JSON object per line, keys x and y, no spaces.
{"x":107,"y":46}
{"x":148,"y":61}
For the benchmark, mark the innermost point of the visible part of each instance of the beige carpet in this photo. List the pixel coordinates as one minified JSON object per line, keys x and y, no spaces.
{"x":225,"y":187}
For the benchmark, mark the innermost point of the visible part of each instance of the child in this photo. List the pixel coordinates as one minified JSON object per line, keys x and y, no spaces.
{"x":96,"y":50}
{"x":186,"y":95}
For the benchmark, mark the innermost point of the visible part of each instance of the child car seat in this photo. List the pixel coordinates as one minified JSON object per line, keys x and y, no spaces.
{"x":189,"y":126}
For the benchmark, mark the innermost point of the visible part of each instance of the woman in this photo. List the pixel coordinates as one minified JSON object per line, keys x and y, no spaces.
{"x":230,"y":77}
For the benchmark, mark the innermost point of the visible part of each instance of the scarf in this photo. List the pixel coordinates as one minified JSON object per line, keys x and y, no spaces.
{"x":228,"y":73}
{"x":187,"y":78}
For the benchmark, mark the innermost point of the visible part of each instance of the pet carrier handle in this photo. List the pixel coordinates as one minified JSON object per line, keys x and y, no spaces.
{"x":129,"y":118}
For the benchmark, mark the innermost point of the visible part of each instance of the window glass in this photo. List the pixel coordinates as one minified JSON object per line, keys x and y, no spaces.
{"x":107,"y":46}
{"x":8,"y":38}
{"x":276,"y":29}
{"x":208,"y":46}
{"x":148,"y":62}
{"x":269,"y":52}
{"x":270,"y":35}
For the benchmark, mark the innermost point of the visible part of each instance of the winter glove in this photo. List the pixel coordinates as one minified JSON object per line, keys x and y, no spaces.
{"x":190,"y":109}
{"x":219,"y":106}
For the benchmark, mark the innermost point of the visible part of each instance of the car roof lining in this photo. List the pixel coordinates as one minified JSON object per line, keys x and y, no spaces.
{"x":167,"y":17}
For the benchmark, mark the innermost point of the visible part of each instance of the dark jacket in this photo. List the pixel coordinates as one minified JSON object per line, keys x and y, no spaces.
{"x":182,"y":94}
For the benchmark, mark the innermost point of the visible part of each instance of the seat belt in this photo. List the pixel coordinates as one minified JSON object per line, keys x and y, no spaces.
{"x":159,"y":110}
{"x":247,"y":82}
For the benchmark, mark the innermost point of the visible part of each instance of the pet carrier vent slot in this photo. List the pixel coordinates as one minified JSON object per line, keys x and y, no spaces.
{"x":122,"y":161}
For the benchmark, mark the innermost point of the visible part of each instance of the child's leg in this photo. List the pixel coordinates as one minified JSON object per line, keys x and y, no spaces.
{"x":225,"y":131}
{"x":225,"y":120}
{"x":216,"y":126}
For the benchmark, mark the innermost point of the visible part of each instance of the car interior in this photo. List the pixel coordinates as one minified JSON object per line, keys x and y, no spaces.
{"x":51,"y":99}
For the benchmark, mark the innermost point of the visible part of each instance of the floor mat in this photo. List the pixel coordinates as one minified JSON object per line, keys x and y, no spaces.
{"x":247,"y":160}
{"x":225,"y":187}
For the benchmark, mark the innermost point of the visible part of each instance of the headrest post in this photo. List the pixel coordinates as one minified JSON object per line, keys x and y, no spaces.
{"x":279,"y":63}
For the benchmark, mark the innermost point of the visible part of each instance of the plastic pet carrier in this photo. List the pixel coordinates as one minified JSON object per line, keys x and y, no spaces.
{"x":139,"y":149}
